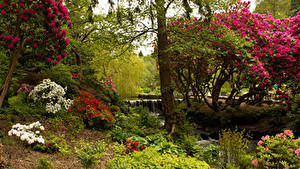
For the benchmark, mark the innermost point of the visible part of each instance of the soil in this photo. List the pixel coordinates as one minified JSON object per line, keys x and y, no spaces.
{"x":17,"y":156}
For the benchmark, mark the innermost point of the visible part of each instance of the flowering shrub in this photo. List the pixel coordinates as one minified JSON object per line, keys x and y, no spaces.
{"x":91,"y":109}
{"x":36,"y":25}
{"x":29,"y":133}
{"x":109,"y":83}
{"x":242,"y":49}
{"x":280,"y":151}
{"x":132,"y":146}
{"x":52,"y":94}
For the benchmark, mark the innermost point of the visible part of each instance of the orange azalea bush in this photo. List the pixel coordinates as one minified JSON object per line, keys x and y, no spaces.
{"x":90,"y":109}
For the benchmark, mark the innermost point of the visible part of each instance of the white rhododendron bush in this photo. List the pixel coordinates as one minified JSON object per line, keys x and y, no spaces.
{"x":52,"y":94}
{"x":29,"y":133}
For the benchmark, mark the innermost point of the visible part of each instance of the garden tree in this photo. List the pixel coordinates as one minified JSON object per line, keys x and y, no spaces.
{"x":277,"y":8}
{"x":93,"y":35}
{"x":126,"y":70}
{"x":155,"y":12}
{"x":246,"y":50}
{"x":33,"y":26}
{"x":295,"y":7}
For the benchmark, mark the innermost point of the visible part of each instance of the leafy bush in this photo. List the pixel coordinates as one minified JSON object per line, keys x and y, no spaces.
{"x":151,"y":158}
{"x":233,"y":146}
{"x":74,"y":124}
{"x":210,"y":154}
{"x":91,"y":110}
{"x":20,"y":105}
{"x":160,"y":142}
{"x":190,"y":145}
{"x":118,"y":134}
{"x":89,"y":155}
{"x":54,"y":144}
{"x":44,"y":164}
{"x":280,"y":151}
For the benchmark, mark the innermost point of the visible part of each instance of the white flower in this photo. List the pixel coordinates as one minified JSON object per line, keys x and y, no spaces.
{"x":53,"y":94}
{"x":25,"y":133}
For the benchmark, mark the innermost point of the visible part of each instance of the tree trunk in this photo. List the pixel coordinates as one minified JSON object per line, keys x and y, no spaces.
{"x":168,"y":100}
{"x":11,"y":69}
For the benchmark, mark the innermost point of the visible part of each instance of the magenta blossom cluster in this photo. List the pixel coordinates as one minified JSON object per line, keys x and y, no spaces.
{"x":275,"y":46}
{"x":272,"y":59}
{"x":109,"y":83}
{"x":36,"y":25}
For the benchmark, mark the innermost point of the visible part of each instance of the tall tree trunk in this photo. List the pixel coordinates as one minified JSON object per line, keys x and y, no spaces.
{"x":12,"y":65}
{"x":168,"y":100}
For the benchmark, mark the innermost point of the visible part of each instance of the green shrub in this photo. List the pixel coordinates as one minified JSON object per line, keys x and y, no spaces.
{"x":151,"y":158}
{"x":190,"y":145}
{"x":233,"y":145}
{"x":280,"y":151}
{"x":44,"y":164}
{"x":210,"y":154}
{"x":89,"y":155}
{"x":54,"y":144}
{"x":20,"y":105}
{"x":74,"y":124}
{"x":118,"y":134}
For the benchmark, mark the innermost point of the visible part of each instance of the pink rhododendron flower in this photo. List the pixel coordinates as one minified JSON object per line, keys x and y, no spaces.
{"x":265,"y":137}
{"x":288,"y":133}
{"x":48,"y":60}
{"x":3,"y":12}
{"x":10,"y":46}
{"x":35,"y":45}
{"x":254,"y":162}
{"x":297,"y":152}
{"x":259,"y":143}
{"x":8,"y":37}
{"x":15,"y":40}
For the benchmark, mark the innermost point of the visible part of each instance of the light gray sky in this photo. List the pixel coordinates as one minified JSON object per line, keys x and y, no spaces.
{"x":103,"y":7}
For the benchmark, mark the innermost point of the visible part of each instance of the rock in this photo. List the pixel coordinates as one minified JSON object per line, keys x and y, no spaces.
{"x":205,"y":143}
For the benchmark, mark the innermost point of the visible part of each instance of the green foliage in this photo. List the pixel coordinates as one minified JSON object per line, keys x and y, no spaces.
{"x":54,"y":144}
{"x":126,"y":72}
{"x":150,"y":79}
{"x":139,"y":122}
{"x":74,"y":124}
{"x":150,"y":158}
{"x":61,"y":74}
{"x":20,"y":105}
{"x":44,"y":164}
{"x":190,"y":145}
{"x":233,"y":145}
{"x":277,"y":8}
{"x":89,"y":155}
{"x":279,"y":151}
{"x":144,"y":118}
{"x":210,"y":154}
{"x":168,"y":147}
{"x":118,"y":134}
